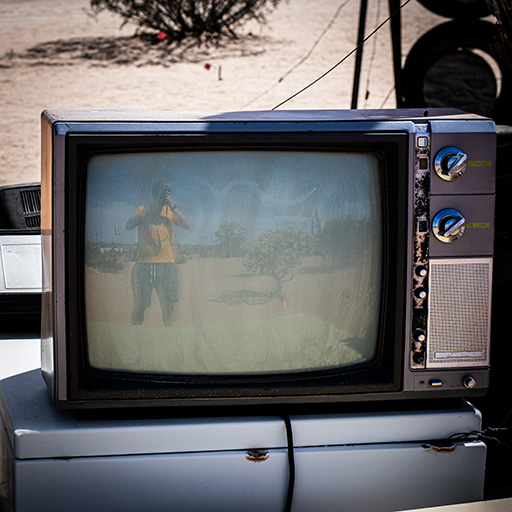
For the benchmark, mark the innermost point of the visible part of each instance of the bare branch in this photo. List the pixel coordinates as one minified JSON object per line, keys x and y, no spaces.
{"x":180,"y":19}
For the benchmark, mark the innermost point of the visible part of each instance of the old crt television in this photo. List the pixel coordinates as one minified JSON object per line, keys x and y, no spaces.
{"x":253,"y":258}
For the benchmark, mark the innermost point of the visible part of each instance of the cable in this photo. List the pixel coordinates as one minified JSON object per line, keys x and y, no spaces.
{"x":291,"y":462}
{"x":305,"y":57}
{"x":343,"y":59}
{"x":506,"y":418}
{"x":490,"y":434}
{"x":315,"y":44}
{"x":387,"y":97}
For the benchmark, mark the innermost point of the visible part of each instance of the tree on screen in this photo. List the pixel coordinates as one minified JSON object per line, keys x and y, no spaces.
{"x":230,"y":238}
{"x":277,"y":254}
{"x":176,"y":20}
{"x":105,"y":257}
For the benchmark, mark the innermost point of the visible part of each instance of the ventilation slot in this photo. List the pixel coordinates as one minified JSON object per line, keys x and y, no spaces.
{"x":31,"y":202}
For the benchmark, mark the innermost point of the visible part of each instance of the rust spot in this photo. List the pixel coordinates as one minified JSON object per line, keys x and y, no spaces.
{"x":257,"y":455}
{"x":440,"y":448}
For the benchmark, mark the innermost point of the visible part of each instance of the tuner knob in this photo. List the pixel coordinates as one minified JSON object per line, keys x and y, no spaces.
{"x":421,"y":271}
{"x":418,"y":357}
{"x":419,"y":336}
{"x":420,"y":293}
{"x":450,"y":163}
{"x":469,"y":382}
{"x":448,"y":225}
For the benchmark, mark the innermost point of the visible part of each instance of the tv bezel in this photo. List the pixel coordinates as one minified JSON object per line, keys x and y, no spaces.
{"x":384,"y":376}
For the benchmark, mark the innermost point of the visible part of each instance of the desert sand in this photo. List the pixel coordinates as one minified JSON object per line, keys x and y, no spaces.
{"x":228,"y":319}
{"x":54,"y":54}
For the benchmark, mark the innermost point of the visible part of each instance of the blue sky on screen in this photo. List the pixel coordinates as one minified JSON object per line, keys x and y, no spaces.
{"x":258,"y":190}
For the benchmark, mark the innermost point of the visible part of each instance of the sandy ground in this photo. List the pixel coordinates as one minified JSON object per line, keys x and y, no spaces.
{"x":227,"y":318}
{"x":54,"y":54}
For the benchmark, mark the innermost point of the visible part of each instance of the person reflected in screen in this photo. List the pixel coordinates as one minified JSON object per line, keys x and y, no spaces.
{"x":155,"y":264}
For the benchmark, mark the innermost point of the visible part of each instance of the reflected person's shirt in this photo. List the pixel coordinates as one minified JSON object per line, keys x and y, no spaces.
{"x":155,"y":240}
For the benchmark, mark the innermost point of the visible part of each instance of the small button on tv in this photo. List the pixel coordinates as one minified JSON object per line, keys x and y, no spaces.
{"x":421,"y":293}
{"x":422,"y":142}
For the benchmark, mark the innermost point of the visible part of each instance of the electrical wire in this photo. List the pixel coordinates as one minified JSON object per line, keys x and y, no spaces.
{"x":343,"y":59}
{"x":305,"y":57}
{"x":384,"y":101}
{"x":291,"y":462}
{"x":506,"y":418}
{"x":490,"y":434}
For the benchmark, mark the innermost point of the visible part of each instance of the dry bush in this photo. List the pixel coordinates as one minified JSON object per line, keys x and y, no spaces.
{"x":176,"y":20}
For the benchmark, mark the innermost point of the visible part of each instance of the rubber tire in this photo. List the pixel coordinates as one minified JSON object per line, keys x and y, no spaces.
{"x":447,"y":39}
{"x":458,"y":9}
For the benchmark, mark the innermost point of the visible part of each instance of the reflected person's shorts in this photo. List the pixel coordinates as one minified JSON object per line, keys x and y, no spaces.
{"x":163,"y":277}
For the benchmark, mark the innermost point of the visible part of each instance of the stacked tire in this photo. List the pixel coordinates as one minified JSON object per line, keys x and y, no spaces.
{"x":459,"y":64}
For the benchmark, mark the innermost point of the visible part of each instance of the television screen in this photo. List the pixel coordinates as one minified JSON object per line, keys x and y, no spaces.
{"x":215,"y":262}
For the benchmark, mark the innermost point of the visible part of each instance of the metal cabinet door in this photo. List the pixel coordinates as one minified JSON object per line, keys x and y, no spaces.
{"x":386,"y":477}
{"x":217,"y":481}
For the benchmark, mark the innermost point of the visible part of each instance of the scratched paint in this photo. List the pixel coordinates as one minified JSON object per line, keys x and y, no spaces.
{"x":439,"y":449}
{"x":257,"y":455}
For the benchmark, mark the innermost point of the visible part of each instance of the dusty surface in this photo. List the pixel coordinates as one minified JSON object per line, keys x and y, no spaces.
{"x":53,"y":54}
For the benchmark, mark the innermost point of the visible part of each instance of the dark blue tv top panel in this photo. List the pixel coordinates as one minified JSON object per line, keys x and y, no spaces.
{"x":78,"y":121}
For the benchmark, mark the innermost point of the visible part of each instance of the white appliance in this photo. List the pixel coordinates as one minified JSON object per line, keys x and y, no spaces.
{"x":55,"y":460}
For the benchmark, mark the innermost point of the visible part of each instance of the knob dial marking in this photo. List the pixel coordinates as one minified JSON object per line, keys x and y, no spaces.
{"x":448,"y":225}
{"x":450,"y":163}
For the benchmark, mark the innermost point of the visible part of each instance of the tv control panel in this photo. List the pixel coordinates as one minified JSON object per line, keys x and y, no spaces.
{"x":454,"y":195}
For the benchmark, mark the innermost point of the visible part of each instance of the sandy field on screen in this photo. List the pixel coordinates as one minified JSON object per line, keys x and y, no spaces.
{"x":238,"y":289}
{"x":319,"y":299}
{"x":54,"y":54}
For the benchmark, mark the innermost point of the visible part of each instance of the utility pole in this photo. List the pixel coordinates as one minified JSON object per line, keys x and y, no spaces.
{"x":396,"y":43}
{"x":359,"y":51}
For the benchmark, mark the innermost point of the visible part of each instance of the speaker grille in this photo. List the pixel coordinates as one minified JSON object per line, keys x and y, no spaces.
{"x":458,"y":330}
